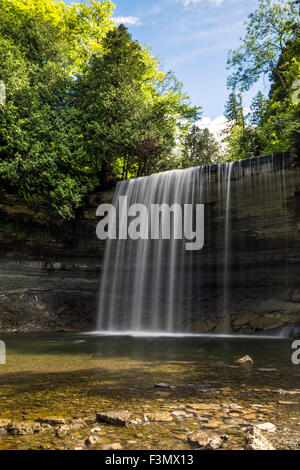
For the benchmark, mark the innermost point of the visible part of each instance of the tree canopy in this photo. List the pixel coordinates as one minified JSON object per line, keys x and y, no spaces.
{"x":82,"y":99}
{"x":270,"y":48}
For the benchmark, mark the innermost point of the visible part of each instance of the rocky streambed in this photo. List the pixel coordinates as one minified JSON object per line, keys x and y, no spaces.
{"x":87,"y":392}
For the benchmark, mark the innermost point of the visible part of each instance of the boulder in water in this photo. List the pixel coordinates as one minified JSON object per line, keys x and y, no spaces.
{"x":206,"y":441}
{"x":62,"y":430}
{"x":255,"y":440}
{"x":23,"y":428}
{"x":268,"y":427}
{"x":119,"y":418}
{"x":53,"y":421}
{"x":245,"y":361}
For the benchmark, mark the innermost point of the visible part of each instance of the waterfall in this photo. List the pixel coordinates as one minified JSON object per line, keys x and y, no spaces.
{"x":157,"y":285}
{"x":229,"y":168}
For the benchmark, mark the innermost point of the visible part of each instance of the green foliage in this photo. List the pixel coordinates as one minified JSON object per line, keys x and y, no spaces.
{"x":271,"y":47}
{"x":234,"y":111}
{"x":42,"y":156}
{"x":200,"y":148}
{"x":124,"y":114}
{"x":268,"y":30}
{"x":258,"y":109}
{"x":82,"y":100}
{"x":244,"y":142}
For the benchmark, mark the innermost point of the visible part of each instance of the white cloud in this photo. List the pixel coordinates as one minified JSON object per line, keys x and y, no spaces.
{"x":215,"y":126}
{"x":131,"y":20}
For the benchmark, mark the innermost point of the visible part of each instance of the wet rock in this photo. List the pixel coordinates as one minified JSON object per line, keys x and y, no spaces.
{"x":163,"y":385}
{"x":95,"y":430}
{"x":224,"y":326}
{"x":62,"y":430}
{"x":206,"y":441}
{"x":118,"y":418}
{"x":23,"y":428}
{"x":92,"y":440}
{"x":214,"y":423}
{"x":234,"y":406}
{"x":268,"y":427}
{"x":52,"y":421}
{"x":249,"y":416}
{"x":198,"y":326}
{"x":289,"y":392}
{"x":242,"y":320}
{"x":205,"y":406}
{"x":281,"y":402}
{"x":181,"y":414}
{"x":255,"y":440}
{"x":134,"y":422}
{"x":4,"y":423}
{"x":161,"y":393}
{"x":113,"y":446}
{"x":245,"y":361}
{"x":158,"y":416}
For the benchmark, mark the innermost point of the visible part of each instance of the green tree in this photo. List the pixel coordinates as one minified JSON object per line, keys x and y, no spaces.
{"x":271,"y":47}
{"x":268,"y":30}
{"x":42,"y":157}
{"x":129,"y":115}
{"x":82,"y":99}
{"x":234,"y":111}
{"x":242,"y":140}
{"x":258,"y":109}
{"x":243,"y":143}
{"x":200,"y":148}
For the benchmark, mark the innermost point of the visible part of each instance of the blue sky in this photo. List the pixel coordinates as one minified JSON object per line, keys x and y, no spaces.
{"x":192,"y":38}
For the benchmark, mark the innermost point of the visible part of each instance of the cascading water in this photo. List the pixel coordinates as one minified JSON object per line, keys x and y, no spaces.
{"x":158,"y":286}
{"x":229,"y":168}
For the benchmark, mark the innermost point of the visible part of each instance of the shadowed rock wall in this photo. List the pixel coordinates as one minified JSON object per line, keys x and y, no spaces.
{"x":49,"y":274}
{"x":263,"y":252}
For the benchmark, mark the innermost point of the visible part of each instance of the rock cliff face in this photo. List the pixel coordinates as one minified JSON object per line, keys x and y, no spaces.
{"x":263,"y":291}
{"x":50,"y":274}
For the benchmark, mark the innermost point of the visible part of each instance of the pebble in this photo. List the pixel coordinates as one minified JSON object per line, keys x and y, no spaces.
{"x":92,"y":440}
